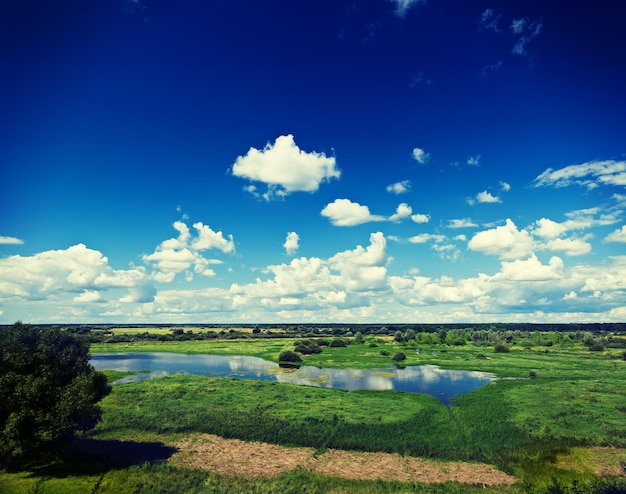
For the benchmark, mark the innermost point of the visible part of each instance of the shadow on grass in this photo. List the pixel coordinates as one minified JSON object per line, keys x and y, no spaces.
{"x":93,"y":456}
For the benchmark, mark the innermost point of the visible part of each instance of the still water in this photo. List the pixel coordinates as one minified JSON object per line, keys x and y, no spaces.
{"x":428,"y":379}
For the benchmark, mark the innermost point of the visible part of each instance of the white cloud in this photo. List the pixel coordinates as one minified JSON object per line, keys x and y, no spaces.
{"x":89,"y":297}
{"x":530,"y":31}
{"x":474,"y":160}
{"x":423,"y":238}
{"x":506,"y":242}
{"x":590,"y":175}
{"x":570,"y":246}
{"x":208,"y":239}
{"x":399,"y":187}
{"x":420,"y":156}
{"x":461,"y":223}
{"x":618,"y":235}
{"x":518,"y":25}
{"x":77,"y":269}
{"x":292,"y":243}
{"x":505,"y":186}
{"x":363,"y":269}
{"x":402,"y":211}
{"x":403,"y":6}
{"x":483,"y":197}
{"x":343,"y":212}
{"x":284,"y":168}
{"x":176,"y":255}
{"x":531,"y":269}
{"x":420,"y":218}
{"x":546,"y":228}
{"x":489,"y":20}
{"x":10,"y":241}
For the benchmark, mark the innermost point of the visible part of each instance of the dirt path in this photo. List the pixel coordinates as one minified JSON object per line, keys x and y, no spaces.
{"x":253,"y":459}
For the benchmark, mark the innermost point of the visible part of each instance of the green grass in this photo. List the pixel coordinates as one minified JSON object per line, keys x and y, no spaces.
{"x":519,"y":424}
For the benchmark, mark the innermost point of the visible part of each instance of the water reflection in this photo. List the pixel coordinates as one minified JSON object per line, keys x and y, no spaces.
{"x":428,"y":379}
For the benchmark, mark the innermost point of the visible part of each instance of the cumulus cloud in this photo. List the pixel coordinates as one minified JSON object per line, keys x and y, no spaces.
{"x":183,"y":253}
{"x":399,"y":187}
{"x":420,"y":156}
{"x":348,"y":278}
{"x":10,"y":240}
{"x":420,"y":218}
{"x":402,"y":211}
{"x":531,"y":269}
{"x":484,"y":197}
{"x":77,"y":269}
{"x":292,"y":243}
{"x":506,"y":242}
{"x":591,"y":174}
{"x":548,"y":229}
{"x":284,"y":168}
{"x":89,"y":297}
{"x":618,"y":235}
{"x":403,"y":6}
{"x":570,"y":246}
{"x":343,"y":212}
{"x":505,"y":186}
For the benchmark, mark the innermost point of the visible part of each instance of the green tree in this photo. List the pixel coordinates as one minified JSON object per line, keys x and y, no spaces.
{"x":399,"y":356}
{"x":398,"y":336}
{"x":48,"y":391}
{"x":358,"y":338}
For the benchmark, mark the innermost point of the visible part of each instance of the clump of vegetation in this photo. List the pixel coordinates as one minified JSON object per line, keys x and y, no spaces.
{"x":398,"y":357}
{"x":48,"y":391}
{"x":307,"y":347}
{"x":289,"y":356}
{"x":500,"y":348}
{"x":338,"y":342}
{"x":385,"y":353}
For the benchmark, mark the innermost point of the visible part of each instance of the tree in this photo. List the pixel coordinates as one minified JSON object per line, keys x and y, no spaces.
{"x":358,"y":338}
{"x":398,"y":336}
{"x":399,"y":356}
{"x":48,"y":390}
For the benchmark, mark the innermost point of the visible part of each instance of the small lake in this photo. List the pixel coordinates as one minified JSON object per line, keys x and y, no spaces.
{"x":428,"y":379}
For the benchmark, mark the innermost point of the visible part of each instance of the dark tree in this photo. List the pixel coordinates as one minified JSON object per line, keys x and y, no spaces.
{"x":399,"y":356}
{"x":48,"y":390}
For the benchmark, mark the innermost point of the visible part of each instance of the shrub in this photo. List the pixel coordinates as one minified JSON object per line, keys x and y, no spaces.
{"x":338,"y":342}
{"x":596,"y":347}
{"x":532,"y":374}
{"x":500,"y":348}
{"x":398,"y":356}
{"x":289,"y":356}
{"x":307,"y":347}
{"x":384,"y":353}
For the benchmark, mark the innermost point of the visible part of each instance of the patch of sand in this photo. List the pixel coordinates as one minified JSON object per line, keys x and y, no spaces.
{"x":252,"y":459}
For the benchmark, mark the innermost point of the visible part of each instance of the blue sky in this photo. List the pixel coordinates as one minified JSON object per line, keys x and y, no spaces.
{"x":306,"y":161}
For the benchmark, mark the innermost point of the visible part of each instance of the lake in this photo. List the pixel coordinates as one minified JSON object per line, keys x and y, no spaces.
{"x":429,"y":379}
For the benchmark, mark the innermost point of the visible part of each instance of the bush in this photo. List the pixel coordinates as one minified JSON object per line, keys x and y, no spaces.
{"x":500,"y":348}
{"x":338,"y":342}
{"x":596,"y":347}
{"x":398,"y":356}
{"x":385,"y":353}
{"x":307,"y":347}
{"x":289,"y":356}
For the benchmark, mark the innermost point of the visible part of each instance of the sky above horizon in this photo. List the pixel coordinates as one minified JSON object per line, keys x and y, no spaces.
{"x":375,"y":161}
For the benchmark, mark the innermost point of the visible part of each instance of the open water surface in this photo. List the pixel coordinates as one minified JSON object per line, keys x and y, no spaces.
{"x":429,"y":379}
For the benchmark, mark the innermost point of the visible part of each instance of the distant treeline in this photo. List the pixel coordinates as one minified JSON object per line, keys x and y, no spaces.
{"x":109,"y":333}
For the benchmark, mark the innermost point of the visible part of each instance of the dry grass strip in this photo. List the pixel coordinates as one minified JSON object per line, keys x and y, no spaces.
{"x":253,"y":459}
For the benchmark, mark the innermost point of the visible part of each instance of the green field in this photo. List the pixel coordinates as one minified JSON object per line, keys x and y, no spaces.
{"x":554,"y":418}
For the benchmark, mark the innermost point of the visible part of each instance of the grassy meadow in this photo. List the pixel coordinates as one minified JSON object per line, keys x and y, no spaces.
{"x":555,"y":418}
